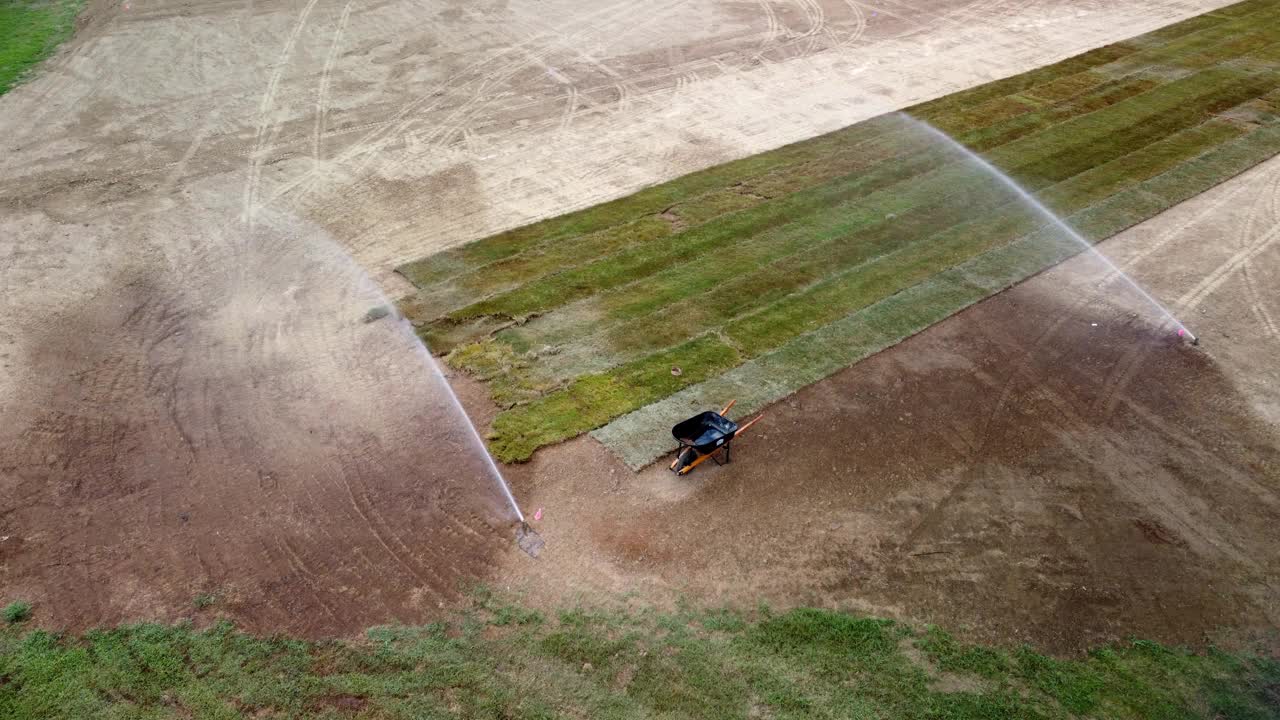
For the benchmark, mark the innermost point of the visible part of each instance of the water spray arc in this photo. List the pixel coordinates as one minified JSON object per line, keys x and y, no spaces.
{"x":527,"y":539}
{"x":475,"y":435}
{"x":1029,"y":199}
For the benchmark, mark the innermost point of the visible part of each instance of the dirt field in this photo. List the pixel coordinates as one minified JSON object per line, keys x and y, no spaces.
{"x":193,"y":405}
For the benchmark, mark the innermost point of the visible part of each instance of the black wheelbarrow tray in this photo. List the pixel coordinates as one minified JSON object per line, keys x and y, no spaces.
{"x":703,"y":436}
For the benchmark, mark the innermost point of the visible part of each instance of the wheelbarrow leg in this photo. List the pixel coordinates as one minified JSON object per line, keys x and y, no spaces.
{"x":697,"y":461}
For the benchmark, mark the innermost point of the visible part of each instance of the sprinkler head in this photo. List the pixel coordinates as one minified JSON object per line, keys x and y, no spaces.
{"x":529,"y":540}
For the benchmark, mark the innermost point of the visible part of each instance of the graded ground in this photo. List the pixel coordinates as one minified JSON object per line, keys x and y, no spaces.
{"x":755,"y":278}
{"x":196,"y":421}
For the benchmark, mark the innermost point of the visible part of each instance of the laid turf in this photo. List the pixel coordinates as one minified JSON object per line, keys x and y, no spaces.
{"x":627,"y":314}
{"x":29,"y":31}
{"x":498,"y":660}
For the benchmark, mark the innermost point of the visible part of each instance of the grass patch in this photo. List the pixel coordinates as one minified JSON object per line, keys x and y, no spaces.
{"x":29,"y":32}
{"x":576,"y":321}
{"x":16,"y":612}
{"x":592,"y":400}
{"x":600,"y":663}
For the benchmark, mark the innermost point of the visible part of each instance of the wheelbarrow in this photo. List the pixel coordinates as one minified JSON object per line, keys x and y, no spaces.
{"x":704,"y":436}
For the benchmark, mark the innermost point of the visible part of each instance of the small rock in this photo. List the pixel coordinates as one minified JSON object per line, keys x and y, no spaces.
{"x":377,"y":313}
{"x":587,"y":667}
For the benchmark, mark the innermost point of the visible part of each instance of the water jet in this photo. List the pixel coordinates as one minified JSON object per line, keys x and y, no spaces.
{"x":1054,"y":220}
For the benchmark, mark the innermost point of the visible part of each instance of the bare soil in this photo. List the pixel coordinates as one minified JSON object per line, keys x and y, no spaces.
{"x":198,"y":430}
{"x":194,"y":195}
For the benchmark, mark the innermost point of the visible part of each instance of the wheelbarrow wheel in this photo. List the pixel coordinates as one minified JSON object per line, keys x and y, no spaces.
{"x":684,"y":458}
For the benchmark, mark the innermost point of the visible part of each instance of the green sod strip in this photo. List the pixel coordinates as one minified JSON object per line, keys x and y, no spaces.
{"x":709,"y":277}
{"x":829,"y":242}
{"x":1066,"y":88}
{"x":808,"y":256}
{"x":687,"y":318}
{"x":759,"y":288}
{"x":984,"y":138}
{"x":593,"y":400}
{"x":441,"y":297}
{"x":988,"y":128}
{"x":1220,"y":90}
{"x":499,"y":659}
{"x":852,"y":261}
{"x":1080,"y":143}
{"x":624,"y":210}
{"x":641,"y":436}
{"x":1099,"y":182}
{"x":1206,"y":47}
{"x":692,"y":278}
{"x":557,"y":290}
{"x":938,"y":112}
{"x":1021,"y":115}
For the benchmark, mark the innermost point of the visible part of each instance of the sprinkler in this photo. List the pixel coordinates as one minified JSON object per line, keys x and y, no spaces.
{"x":1185,"y":333}
{"x":529,"y":540}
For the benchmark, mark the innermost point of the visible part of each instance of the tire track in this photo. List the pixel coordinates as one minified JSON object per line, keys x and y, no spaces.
{"x":772,"y":28}
{"x":1271,"y":198}
{"x":479,"y":99}
{"x":374,"y":142}
{"x":859,"y":26}
{"x":313,"y":581}
{"x":377,"y":534}
{"x":1221,"y":274}
{"x":1071,"y":436}
{"x":261,"y":139}
{"x":322,"y":95}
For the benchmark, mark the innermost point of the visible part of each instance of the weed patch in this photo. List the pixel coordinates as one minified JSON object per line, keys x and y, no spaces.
{"x":16,"y":612}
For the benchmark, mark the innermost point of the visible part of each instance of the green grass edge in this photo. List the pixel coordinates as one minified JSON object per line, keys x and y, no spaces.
{"x":496,"y":658}
{"x":30,"y":32}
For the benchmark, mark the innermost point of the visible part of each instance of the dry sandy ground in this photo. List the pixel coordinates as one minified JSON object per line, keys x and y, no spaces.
{"x":190,"y":400}
{"x":1042,"y":467}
